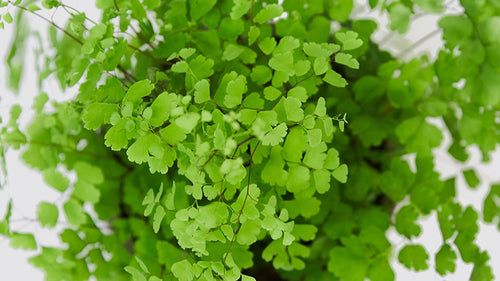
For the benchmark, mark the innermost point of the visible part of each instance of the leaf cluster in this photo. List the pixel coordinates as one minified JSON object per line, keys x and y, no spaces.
{"x":244,"y":140}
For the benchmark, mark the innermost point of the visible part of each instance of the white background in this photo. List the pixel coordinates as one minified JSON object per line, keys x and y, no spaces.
{"x":27,"y":189}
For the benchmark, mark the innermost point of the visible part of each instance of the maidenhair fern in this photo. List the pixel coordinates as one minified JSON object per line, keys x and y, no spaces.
{"x":251,"y":140}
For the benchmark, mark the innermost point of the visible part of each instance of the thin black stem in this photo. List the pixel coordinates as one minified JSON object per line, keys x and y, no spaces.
{"x":243,"y":205}
{"x":240,"y":144}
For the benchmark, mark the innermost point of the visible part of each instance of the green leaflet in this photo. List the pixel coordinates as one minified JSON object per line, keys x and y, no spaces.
{"x":293,"y":109}
{"x":116,"y":137}
{"x":56,"y":179}
{"x":455,"y":29}
{"x":247,"y":278}
{"x":267,"y":45}
{"x":187,"y":121}
{"x":267,"y":13}
{"x":334,"y":79}
{"x":302,"y":67}
{"x":158,"y":217}
{"x":315,"y":156}
{"x":25,"y":241}
{"x":347,"y":60}
{"x":400,"y":17}
{"x":283,"y":62}
{"x":234,"y":170}
{"x":180,"y":67}
{"x":471,"y":178}
{"x":97,"y":114}
{"x":139,"y":151}
{"x":277,"y":252}
{"x":39,"y":102}
{"x":298,"y":179}
{"x":261,"y":74}
{"x":295,"y":144}
{"x":320,"y":107}
{"x":320,"y":66}
{"x":406,"y":221}
{"x":275,"y":136}
{"x":271,"y":93}
{"x":234,"y":91}
{"x":306,"y":207}
{"x":347,"y":265}
{"x":287,"y":44}
{"x":161,"y":108}
{"x":89,"y":173}
{"x":415,"y":132}
{"x":380,"y":270}
{"x":200,"y":8}
{"x":248,"y":232}
{"x":86,"y":192}
{"x":4,"y":223}
{"x":253,"y":34}
{"x":17,"y":50}
{"x":299,"y":93}
{"x":202,"y":91}
{"x":340,"y":173}
{"x":273,"y":172}
{"x":349,"y":40}
{"x":74,"y":212}
{"x":491,"y":209}
{"x":340,"y":10}
{"x":445,"y":260}
{"x":240,"y":8}
{"x":173,"y":134}
{"x":488,"y":31}
{"x":320,"y":50}
{"x":413,"y":256}
{"x":137,"y":275}
{"x":396,"y":182}
{"x":232,"y":51}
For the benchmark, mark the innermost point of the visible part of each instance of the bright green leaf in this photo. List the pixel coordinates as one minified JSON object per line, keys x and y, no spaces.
{"x":414,"y":257}
{"x":97,"y":114}
{"x":267,"y":13}
{"x":162,"y":106}
{"x":183,"y":270}
{"x":234,"y":91}
{"x":137,"y":275}
{"x":138,"y":90}
{"x":267,"y":45}
{"x":271,"y":93}
{"x":347,"y":60}
{"x":202,"y":91}
{"x":47,"y":214}
{"x":25,"y":241}
{"x":293,"y":109}
{"x":406,"y":219}
{"x":56,"y":179}
{"x":445,"y":260}
{"x":471,"y":178}
{"x":276,"y":135}
{"x":158,"y":218}
{"x":399,"y":15}
{"x":240,"y":8}
{"x":334,"y":79}
{"x":74,"y":212}
{"x":340,"y":173}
